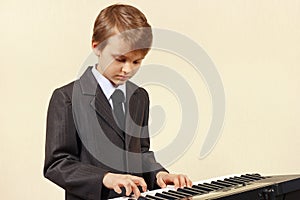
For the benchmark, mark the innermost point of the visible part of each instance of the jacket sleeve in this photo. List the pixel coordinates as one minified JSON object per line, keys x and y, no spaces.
{"x":62,"y":153}
{"x":150,"y":166}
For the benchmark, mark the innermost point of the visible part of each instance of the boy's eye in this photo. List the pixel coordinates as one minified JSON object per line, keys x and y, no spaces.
{"x":136,"y":62}
{"x":120,"y":60}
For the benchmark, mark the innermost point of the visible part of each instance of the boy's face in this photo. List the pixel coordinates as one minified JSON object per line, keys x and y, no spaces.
{"x":117,"y":62}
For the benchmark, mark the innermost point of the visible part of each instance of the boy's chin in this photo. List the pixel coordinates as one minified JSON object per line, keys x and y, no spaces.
{"x":118,"y":83}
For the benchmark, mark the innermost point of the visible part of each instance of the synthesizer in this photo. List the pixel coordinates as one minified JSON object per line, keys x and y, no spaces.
{"x":233,"y":187}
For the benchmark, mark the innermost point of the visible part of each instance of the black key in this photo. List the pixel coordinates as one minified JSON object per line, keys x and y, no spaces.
{"x":199,"y":191}
{"x":143,"y":198}
{"x":243,"y":182}
{"x":173,"y":194}
{"x":243,"y":179}
{"x":166,"y":196}
{"x":212,"y":186}
{"x":154,"y":197}
{"x":224,"y":182}
{"x":220,"y":183}
{"x":215,"y":185}
{"x":251,"y":177}
{"x":233,"y":181}
{"x":187,"y":191}
{"x":257,"y":175}
{"x":203,"y":187}
{"x":229,"y":182}
{"x":182,"y":193}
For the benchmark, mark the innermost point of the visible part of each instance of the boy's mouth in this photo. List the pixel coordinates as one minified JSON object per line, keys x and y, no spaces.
{"x":122,"y":78}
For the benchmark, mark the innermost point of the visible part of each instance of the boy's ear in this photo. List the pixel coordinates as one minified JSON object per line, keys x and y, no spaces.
{"x":96,"y":49}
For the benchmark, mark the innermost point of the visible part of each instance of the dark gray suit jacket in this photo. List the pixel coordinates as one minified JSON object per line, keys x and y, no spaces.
{"x":83,"y":141}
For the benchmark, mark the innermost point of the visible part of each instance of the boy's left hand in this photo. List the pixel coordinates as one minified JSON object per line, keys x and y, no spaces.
{"x":178,"y":180}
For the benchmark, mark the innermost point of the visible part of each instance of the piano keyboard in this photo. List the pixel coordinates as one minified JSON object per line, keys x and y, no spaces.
{"x":234,"y":187}
{"x":201,"y":188}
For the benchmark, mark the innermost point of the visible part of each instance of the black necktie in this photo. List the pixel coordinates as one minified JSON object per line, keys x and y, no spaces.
{"x":118,"y":98}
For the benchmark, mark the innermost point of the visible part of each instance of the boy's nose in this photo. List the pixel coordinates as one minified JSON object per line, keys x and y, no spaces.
{"x":127,"y":67}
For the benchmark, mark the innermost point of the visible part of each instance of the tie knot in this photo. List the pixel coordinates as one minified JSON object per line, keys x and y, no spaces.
{"x":118,"y":96}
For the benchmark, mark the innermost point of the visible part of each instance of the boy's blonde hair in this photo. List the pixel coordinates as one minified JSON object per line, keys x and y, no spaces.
{"x":125,"y":20}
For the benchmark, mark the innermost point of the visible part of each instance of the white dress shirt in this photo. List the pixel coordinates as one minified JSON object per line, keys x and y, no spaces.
{"x":107,"y":87}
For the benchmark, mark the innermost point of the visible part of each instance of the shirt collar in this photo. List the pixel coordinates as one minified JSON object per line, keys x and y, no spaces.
{"x":106,"y":86}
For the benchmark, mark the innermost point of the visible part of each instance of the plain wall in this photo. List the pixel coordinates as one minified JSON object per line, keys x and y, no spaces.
{"x":254,"y":44}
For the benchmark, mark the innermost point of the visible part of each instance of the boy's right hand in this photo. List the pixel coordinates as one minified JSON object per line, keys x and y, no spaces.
{"x":129,"y":182}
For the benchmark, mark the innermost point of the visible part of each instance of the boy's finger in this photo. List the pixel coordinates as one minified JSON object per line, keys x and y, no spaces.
{"x":161,"y":183}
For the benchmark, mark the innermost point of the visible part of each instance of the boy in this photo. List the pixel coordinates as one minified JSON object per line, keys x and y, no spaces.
{"x":97,"y":140}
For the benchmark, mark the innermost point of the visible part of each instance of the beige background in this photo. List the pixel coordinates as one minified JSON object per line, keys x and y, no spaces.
{"x":254,"y":44}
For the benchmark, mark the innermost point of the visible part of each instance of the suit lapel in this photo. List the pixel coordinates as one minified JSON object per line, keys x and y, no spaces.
{"x":132,"y":105}
{"x":104,"y":109}
{"x":99,"y":102}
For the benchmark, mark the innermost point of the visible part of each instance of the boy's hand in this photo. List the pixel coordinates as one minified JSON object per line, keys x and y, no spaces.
{"x":179,"y":180}
{"x":129,"y":182}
